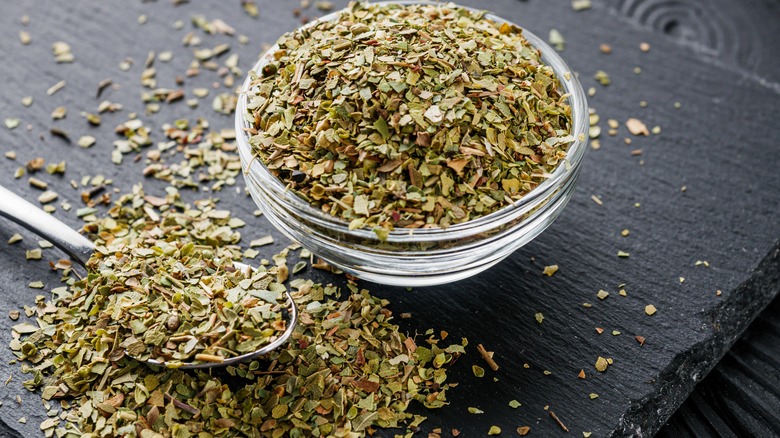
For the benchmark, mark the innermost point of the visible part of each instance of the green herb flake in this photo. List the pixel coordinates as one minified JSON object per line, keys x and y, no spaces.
{"x":601,"y":364}
{"x":580,"y":5}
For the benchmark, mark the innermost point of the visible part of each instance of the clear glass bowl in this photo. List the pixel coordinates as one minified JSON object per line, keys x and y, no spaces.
{"x":420,"y":257}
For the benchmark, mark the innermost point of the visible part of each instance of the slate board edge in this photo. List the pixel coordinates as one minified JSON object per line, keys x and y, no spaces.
{"x":645,"y":417}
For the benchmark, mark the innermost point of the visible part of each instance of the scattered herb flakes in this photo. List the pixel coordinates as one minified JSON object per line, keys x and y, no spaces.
{"x":59,"y":113}
{"x":250,"y":8}
{"x":558,"y":421}
{"x":539,"y":317}
{"x":122,"y":391}
{"x":478,"y":371}
{"x":550,"y":270}
{"x":636,"y":127}
{"x":36,"y":285}
{"x":640,"y":340}
{"x":556,"y":40}
{"x":263,"y":241}
{"x":593,"y":396}
{"x":602,"y":294}
{"x":62,"y":52}
{"x":473,"y":410}
{"x":682,"y":280}
{"x":586,"y":434}
{"x":494,"y":430}
{"x":251,"y":253}
{"x":86,"y":141}
{"x":623,"y":254}
{"x":325,"y":6}
{"x":11,"y":122}
{"x":650,"y":310}
{"x":601,"y":364}
{"x":580,"y":5}
{"x":48,"y":196}
{"x":514,"y":404}
{"x":602,"y":78}
{"x":488,"y":357}
{"x":547,"y":372}
{"x":15,"y":238}
{"x":24,"y":37}
{"x":523,"y":430}
{"x":55,"y":88}
{"x":413,"y":106}
{"x":615,"y":333}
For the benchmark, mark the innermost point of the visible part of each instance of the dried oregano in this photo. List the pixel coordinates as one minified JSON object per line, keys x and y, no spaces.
{"x":346,"y":368}
{"x":408,"y":116}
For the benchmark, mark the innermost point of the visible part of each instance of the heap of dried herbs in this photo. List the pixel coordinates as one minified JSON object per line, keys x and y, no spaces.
{"x":408,"y":116}
{"x":162,"y":295}
{"x":346,"y":369}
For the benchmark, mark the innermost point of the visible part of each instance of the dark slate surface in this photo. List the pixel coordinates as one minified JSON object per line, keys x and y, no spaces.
{"x":741,"y":395}
{"x":717,"y":57}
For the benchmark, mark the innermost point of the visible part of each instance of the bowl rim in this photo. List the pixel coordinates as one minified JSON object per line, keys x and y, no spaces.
{"x":566,"y":169}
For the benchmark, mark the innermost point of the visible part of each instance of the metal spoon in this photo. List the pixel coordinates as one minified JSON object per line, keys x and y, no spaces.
{"x":80,"y":249}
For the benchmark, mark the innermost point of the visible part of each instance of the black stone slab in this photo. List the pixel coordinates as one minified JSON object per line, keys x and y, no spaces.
{"x":721,"y":145}
{"x":741,"y":395}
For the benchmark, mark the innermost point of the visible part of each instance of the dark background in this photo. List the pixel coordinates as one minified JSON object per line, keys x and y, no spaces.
{"x":717,"y":58}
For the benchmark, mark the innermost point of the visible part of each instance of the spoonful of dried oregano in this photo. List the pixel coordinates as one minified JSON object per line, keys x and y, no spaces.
{"x":164,"y":290}
{"x":347,"y":369}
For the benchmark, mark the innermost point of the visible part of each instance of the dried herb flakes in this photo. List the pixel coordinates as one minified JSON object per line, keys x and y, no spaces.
{"x":397,"y":116}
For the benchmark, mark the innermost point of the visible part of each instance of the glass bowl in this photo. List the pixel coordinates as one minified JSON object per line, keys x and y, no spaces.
{"x":420,"y":257}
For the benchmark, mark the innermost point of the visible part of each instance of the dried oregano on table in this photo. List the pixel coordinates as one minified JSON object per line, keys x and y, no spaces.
{"x":346,"y":369}
{"x":408,"y":116}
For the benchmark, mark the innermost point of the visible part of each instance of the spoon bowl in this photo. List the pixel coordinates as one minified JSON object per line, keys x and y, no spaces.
{"x":80,"y":249}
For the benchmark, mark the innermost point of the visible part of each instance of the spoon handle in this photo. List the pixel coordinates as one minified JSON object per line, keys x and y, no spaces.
{"x":19,"y":210}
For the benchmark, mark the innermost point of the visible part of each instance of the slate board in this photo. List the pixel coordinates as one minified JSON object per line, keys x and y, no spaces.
{"x":741,"y":395}
{"x":716,"y":57}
